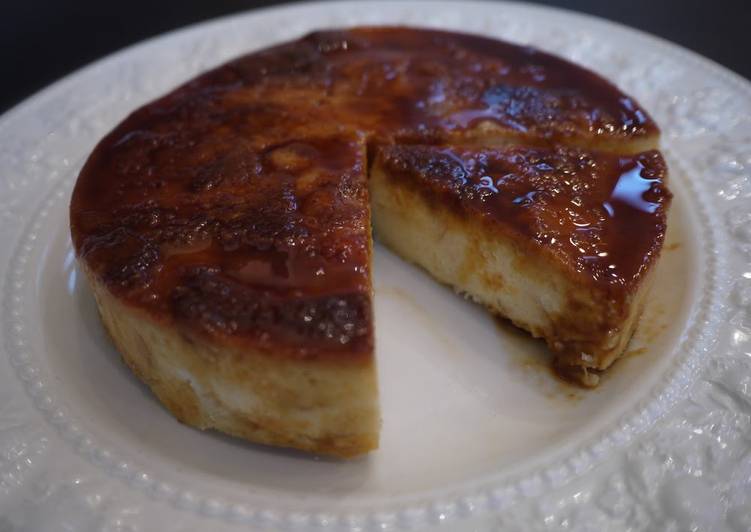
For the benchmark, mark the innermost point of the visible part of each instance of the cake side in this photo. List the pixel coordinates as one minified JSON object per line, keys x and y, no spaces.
{"x":314,"y":405}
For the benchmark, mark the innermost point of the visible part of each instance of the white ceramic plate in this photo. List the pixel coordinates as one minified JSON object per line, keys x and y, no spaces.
{"x":476,"y":433}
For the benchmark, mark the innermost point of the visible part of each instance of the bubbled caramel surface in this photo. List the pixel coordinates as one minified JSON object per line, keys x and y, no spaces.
{"x":601,"y":215}
{"x":236,"y":206}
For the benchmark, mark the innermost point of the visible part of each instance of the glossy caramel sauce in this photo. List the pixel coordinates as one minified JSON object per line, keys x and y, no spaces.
{"x":236,"y":206}
{"x":602,"y":215}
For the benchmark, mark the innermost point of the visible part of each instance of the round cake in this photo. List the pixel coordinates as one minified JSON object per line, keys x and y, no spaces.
{"x":225,"y":228}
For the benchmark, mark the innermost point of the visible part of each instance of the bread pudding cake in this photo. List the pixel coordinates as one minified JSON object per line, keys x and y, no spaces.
{"x":225,"y":228}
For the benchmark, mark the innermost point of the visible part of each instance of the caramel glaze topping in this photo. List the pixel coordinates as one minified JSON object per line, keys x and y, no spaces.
{"x":236,"y":206}
{"x":602,"y":215}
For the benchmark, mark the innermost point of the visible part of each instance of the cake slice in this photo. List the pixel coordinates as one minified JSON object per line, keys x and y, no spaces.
{"x":560,"y":241}
{"x":238,"y":285}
